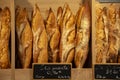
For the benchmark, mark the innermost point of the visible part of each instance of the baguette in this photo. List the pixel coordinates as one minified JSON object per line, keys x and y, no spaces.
{"x":4,"y":38}
{"x":101,"y":35}
{"x":67,"y":44}
{"x":53,"y":37}
{"x":24,"y":37}
{"x":113,"y":35}
{"x":82,"y":35}
{"x":40,"y":42}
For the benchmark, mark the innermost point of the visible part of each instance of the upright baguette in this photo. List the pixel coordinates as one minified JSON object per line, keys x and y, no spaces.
{"x":40,"y":42}
{"x":67,"y":44}
{"x":53,"y":37}
{"x":101,"y":35}
{"x":113,"y":35}
{"x":4,"y":37}
{"x":82,"y":35}
{"x":24,"y":37}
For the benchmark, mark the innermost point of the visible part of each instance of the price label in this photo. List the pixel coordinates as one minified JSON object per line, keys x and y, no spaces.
{"x":52,"y":71}
{"x":105,"y":71}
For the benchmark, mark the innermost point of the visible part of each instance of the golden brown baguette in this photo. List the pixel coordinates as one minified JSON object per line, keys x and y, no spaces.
{"x":82,"y":35}
{"x":113,"y":35}
{"x":67,"y":44}
{"x":40,"y":42}
{"x":24,"y":37}
{"x":4,"y":37}
{"x":101,"y":35}
{"x":53,"y":37}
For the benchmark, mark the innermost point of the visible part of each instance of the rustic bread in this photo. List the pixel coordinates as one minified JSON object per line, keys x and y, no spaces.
{"x":82,"y":35}
{"x":53,"y":34}
{"x":40,"y":41}
{"x":5,"y":19}
{"x":24,"y":37}
{"x":67,"y":44}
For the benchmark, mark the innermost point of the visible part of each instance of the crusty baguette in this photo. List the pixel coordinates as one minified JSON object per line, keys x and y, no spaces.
{"x":53,"y":37}
{"x":67,"y":44}
{"x":113,"y":35}
{"x":4,"y":37}
{"x":24,"y":37}
{"x":101,"y":35}
{"x":82,"y":35}
{"x":40,"y":42}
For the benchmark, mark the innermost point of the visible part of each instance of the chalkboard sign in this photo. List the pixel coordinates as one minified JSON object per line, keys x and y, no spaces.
{"x":109,"y":1}
{"x":52,"y":71}
{"x":105,"y":71}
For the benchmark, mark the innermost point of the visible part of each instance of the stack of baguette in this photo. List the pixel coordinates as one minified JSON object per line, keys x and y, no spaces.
{"x":64,"y":39}
{"x":107,"y":34}
{"x":5,"y":18}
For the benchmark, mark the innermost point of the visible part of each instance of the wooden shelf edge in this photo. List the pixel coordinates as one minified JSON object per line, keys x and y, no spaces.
{"x":83,"y":74}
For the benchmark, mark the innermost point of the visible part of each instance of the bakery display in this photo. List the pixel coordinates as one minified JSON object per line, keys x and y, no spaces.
{"x":5,"y":22}
{"x":24,"y":37}
{"x":40,"y":41}
{"x":60,"y":38}
{"x":82,"y":35}
{"x":53,"y":35}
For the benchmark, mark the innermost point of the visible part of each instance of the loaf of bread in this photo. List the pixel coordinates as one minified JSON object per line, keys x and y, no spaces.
{"x":40,"y":41}
{"x":67,"y":44}
{"x":101,"y":41}
{"x":82,"y":35}
{"x":5,"y":18}
{"x":53,"y":34}
{"x":113,"y":35}
{"x":24,"y":37}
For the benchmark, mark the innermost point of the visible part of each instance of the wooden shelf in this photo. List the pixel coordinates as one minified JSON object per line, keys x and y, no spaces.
{"x":5,"y":74}
{"x":82,"y":74}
